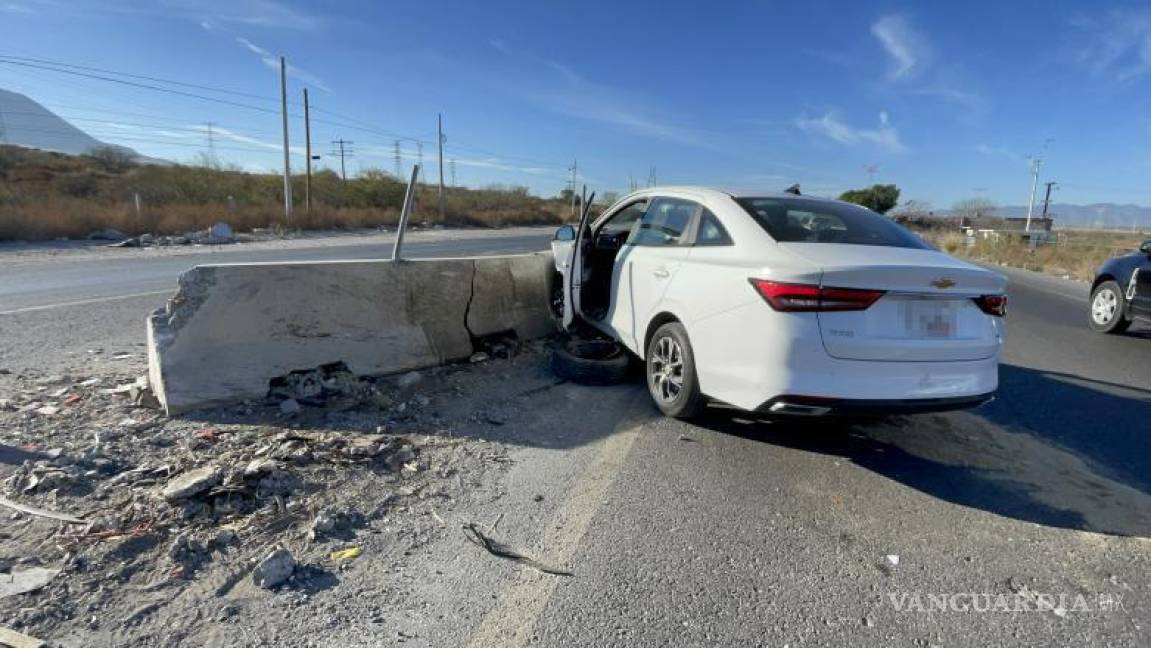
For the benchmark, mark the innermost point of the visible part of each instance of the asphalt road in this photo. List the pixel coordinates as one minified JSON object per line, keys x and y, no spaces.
{"x":745,"y":532}
{"x":121,"y":273}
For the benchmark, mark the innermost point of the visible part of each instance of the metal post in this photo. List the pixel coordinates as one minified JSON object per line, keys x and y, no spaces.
{"x":1034,"y":184}
{"x":405,"y":213}
{"x":307,"y":156}
{"x":440,"y":131}
{"x":287,"y":161}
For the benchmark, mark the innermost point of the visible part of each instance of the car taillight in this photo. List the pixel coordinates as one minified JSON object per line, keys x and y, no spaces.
{"x":805,"y":297}
{"x":992,"y":304}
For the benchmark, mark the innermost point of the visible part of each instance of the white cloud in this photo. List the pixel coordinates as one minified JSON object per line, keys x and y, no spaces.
{"x":907,"y":48}
{"x":566,"y":92}
{"x":273,"y":62}
{"x":13,"y":7}
{"x":1118,"y":43}
{"x":254,"y":13}
{"x":830,"y":126}
{"x":998,"y":151}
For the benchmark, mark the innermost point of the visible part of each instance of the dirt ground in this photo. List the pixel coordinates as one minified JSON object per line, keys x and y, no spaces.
{"x":178,"y":513}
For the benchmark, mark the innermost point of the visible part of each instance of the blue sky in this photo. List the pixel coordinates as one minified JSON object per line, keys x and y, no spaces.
{"x":946,"y":100}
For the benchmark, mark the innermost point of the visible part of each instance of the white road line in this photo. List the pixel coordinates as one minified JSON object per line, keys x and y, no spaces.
{"x":82,"y":302}
{"x":510,"y":623}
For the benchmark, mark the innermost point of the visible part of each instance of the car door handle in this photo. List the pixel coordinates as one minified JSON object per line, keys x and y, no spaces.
{"x":661,"y":273}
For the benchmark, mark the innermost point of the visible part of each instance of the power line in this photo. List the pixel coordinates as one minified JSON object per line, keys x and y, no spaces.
{"x":142,"y":85}
{"x":197,"y":86}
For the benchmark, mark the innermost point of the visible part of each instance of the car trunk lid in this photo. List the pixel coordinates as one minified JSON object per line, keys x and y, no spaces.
{"x":927,"y":312}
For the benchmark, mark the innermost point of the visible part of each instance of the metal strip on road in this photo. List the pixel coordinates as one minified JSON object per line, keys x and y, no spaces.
{"x":510,"y":623}
{"x":82,"y":302}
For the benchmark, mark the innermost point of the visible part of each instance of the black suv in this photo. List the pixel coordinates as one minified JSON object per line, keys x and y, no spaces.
{"x":1121,"y":291}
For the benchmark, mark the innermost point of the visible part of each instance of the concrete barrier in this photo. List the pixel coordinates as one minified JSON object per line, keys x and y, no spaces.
{"x":231,"y":328}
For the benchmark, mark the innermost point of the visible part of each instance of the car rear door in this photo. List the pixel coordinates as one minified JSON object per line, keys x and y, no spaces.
{"x":1140,"y":288}
{"x":657,"y":248}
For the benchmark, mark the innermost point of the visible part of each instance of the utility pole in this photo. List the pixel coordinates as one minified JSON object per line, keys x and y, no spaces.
{"x":1035,"y":164}
{"x":211,"y":142}
{"x":1047,"y":197}
{"x":307,"y":155}
{"x":342,"y":148}
{"x":575,"y":171}
{"x":287,"y":158}
{"x":440,"y":140}
{"x":452,"y":166}
{"x":396,"y":154}
{"x":420,"y":160}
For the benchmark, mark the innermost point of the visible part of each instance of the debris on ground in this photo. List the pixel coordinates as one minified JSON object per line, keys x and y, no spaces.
{"x":15,"y":639}
{"x":275,"y":569}
{"x":128,"y":509}
{"x":25,"y":580}
{"x":479,"y":538}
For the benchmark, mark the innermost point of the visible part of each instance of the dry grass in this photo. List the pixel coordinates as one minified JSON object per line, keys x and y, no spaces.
{"x":1073,"y":254}
{"x":47,"y":196}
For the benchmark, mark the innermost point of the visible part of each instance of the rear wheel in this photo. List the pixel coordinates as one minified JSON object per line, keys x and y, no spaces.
{"x":671,"y":376}
{"x":1109,"y":309}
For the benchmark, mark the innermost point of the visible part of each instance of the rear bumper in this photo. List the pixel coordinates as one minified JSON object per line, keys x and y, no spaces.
{"x":811,"y":406}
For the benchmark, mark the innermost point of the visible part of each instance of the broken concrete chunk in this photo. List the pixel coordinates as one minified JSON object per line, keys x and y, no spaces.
{"x":28,"y":580}
{"x":273,"y":570}
{"x":191,"y":483}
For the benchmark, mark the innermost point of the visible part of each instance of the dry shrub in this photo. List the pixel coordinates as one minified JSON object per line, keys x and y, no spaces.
{"x":47,"y":195}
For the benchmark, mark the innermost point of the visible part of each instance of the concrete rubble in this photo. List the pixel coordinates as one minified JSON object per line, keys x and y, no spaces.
{"x":244,"y":496}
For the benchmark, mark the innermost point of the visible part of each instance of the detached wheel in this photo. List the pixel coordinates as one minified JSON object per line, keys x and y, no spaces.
{"x":591,"y":362}
{"x":671,"y":377}
{"x":1109,"y":309}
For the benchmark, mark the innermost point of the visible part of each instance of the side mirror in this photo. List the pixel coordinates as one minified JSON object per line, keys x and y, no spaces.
{"x":1145,"y":247}
{"x":565,"y":233}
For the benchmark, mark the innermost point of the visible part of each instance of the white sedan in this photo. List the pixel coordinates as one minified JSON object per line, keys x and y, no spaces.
{"x":783,"y":304}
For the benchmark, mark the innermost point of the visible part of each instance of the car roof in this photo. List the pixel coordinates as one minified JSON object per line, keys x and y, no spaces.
{"x":714,"y":192}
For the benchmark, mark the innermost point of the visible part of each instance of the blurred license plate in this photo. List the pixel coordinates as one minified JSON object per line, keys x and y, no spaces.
{"x":931,"y":319}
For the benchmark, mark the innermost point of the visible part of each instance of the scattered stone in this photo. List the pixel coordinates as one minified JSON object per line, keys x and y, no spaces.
{"x":479,"y":357}
{"x":538,"y":498}
{"x":47,"y":410}
{"x":191,"y":483}
{"x":28,"y":580}
{"x":409,"y":379}
{"x":290,"y":406}
{"x":275,"y":569}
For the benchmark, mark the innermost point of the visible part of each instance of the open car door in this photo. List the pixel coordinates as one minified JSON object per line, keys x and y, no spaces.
{"x":573,"y":278}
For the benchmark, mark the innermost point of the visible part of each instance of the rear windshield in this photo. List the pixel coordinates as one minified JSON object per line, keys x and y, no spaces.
{"x":793,"y":220}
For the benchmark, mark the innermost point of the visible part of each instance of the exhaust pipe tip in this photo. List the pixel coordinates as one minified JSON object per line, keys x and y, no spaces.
{"x":798,"y":409}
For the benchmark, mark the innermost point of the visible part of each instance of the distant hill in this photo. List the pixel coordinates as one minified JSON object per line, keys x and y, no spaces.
{"x":26,"y":123}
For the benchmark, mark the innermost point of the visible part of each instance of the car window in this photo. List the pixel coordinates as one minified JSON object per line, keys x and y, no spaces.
{"x":624,"y":219}
{"x":665,"y":222}
{"x":711,"y":232}
{"x":805,"y":220}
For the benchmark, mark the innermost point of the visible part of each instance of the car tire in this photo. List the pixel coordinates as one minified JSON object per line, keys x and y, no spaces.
{"x":591,"y":361}
{"x":669,"y":356}
{"x":1108,"y":309}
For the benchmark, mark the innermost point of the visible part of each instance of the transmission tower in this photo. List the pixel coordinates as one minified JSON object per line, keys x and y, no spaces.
{"x":399,"y":170}
{"x":452,"y":167}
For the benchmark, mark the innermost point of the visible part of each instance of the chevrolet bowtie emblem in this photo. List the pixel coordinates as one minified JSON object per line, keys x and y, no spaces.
{"x":943,"y":282}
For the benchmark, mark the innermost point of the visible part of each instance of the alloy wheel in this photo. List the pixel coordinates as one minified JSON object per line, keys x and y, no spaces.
{"x":666,"y":369}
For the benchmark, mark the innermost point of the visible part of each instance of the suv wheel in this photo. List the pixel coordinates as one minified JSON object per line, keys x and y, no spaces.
{"x":670,"y":370}
{"x":1109,"y":308}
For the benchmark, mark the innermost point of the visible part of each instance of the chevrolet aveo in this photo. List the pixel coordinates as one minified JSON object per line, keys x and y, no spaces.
{"x":782,"y":304}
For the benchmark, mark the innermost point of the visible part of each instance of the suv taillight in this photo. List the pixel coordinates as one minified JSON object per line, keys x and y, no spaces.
{"x":805,"y":297}
{"x":992,"y":304}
